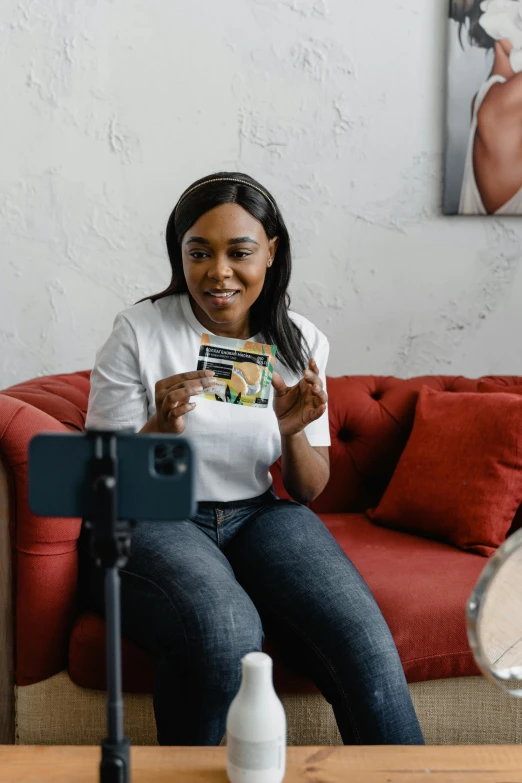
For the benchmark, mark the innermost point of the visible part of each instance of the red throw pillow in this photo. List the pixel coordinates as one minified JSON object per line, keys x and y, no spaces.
{"x":459,"y":478}
{"x":490,"y":387}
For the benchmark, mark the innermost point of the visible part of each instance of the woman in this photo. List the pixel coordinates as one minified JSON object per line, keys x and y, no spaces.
{"x":492,"y":182}
{"x":199,"y":594}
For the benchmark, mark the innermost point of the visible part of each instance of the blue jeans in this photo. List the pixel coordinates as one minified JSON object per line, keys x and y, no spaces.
{"x":199,"y":594}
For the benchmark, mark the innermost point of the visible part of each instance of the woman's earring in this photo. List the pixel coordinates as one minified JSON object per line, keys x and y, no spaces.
{"x":269,"y":263}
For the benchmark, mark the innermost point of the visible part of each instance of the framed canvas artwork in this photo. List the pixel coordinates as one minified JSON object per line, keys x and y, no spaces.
{"x":483,"y":161}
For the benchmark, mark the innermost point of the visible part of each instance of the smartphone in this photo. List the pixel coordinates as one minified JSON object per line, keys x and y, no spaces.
{"x":155,"y":475}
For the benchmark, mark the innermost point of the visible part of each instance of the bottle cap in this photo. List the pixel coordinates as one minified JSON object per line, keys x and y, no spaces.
{"x":257,"y":660}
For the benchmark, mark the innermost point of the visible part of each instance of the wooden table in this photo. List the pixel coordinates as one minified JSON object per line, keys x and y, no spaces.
{"x":383,"y":764}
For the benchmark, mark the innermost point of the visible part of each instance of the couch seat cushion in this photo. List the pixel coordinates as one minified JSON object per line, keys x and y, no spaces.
{"x":420,"y":585}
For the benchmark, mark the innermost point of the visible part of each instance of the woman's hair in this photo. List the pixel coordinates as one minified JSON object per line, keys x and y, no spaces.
{"x":269,"y":313}
{"x":467,"y":13}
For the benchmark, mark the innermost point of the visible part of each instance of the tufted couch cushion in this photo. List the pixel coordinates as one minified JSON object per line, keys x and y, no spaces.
{"x":370,"y":421}
{"x":487,"y":387}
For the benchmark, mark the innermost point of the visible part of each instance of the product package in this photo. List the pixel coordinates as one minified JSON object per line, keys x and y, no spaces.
{"x":243,"y":370}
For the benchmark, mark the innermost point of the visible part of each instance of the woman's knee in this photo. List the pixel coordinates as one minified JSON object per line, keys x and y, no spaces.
{"x":232,"y":625}
{"x":207,"y":629}
{"x":223,"y":636}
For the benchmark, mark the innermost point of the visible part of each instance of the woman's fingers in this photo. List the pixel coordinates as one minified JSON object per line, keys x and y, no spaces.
{"x":187,"y":389}
{"x":313,"y":380}
{"x":181,"y":410}
{"x":278,"y":383}
{"x":192,"y":385}
{"x":183,"y":377}
{"x":170,"y":392}
{"x":312,"y":373}
{"x":180,"y":397}
{"x":320,"y":398}
{"x":177,"y":398}
{"x":316,"y":413}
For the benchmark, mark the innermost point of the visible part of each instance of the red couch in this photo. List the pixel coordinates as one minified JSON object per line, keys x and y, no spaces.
{"x":421,"y":585}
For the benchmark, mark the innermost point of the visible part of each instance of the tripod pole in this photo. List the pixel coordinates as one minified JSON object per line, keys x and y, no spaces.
{"x":110,"y":547}
{"x":115,"y":763}
{"x":114,"y":697}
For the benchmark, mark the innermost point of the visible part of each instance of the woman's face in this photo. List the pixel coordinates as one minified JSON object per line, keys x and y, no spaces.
{"x":226,"y":254}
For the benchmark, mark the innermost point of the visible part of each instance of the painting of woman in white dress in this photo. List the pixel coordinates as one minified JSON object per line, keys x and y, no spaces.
{"x":484,"y":114}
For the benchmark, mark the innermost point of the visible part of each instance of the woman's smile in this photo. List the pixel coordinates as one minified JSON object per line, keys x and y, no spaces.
{"x":222,"y":298}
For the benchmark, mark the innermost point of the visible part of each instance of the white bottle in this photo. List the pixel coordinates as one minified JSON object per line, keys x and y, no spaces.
{"x":256,"y":726}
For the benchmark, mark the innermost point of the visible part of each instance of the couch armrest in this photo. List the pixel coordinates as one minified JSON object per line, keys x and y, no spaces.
{"x":7,"y":721}
{"x":44,"y":549}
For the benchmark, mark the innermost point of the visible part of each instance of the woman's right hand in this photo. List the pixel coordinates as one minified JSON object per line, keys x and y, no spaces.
{"x":172,"y":400}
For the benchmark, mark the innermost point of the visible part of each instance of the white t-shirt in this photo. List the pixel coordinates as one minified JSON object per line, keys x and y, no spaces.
{"x":234,"y":445}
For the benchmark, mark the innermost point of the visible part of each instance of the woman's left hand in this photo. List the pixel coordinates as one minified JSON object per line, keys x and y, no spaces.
{"x":296,"y":406}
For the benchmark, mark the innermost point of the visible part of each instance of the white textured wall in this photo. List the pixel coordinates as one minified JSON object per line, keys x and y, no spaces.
{"x":111,"y":107}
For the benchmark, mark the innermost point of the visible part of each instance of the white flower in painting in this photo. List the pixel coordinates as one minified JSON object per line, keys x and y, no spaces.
{"x":502,"y":19}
